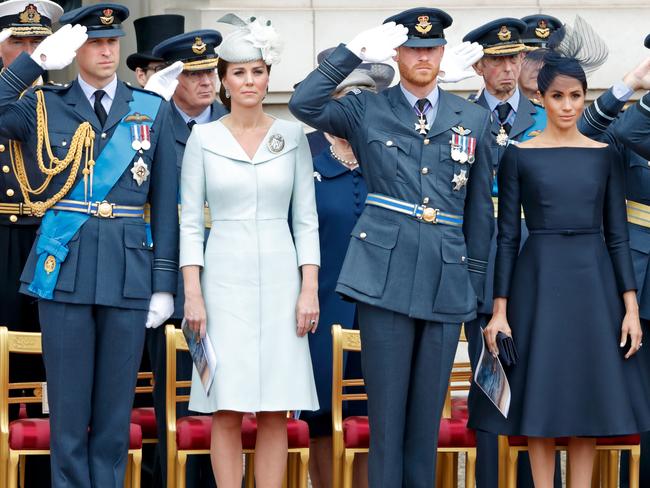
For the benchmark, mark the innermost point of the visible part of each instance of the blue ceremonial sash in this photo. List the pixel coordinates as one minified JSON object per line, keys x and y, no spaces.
{"x":57,"y":228}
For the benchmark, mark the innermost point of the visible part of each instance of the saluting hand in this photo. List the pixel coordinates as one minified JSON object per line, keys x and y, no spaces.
{"x":457,"y":62}
{"x":165,"y":81}
{"x":59,"y":50}
{"x":639,"y":77}
{"x":379,"y":43}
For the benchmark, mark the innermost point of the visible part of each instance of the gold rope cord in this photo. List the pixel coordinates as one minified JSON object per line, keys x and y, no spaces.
{"x":82,"y":144}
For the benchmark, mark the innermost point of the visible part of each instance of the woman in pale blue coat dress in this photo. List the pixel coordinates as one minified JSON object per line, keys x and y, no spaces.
{"x":255,"y":286}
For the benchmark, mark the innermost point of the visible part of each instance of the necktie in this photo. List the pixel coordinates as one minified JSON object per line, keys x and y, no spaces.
{"x":99,"y":108}
{"x":503,"y":110}
{"x":421,"y":104}
{"x":191,"y":124}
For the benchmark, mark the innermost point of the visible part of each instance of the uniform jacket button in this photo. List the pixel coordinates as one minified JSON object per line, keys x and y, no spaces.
{"x":64,"y":143}
{"x":426,"y":142}
{"x":10,"y":192}
{"x":425,"y":171}
{"x":13,"y":219}
{"x":363,"y":235}
{"x":425,"y":200}
{"x":5,"y":169}
{"x":389,"y":143}
{"x":2,"y":148}
{"x":104,"y":136}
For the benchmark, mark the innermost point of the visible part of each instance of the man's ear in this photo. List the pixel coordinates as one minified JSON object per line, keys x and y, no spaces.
{"x":478,"y":67}
{"x":396,"y":57}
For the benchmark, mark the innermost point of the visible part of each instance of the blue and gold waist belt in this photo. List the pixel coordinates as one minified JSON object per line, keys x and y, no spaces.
{"x":103,"y":209}
{"x":638,"y":213}
{"x":425,"y":214}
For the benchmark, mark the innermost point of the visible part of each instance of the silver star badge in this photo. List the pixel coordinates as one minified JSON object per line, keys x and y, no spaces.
{"x":459,"y":180}
{"x":140,"y":171}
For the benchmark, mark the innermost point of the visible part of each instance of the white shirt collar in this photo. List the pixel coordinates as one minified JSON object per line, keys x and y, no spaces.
{"x":433,"y":97}
{"x":493,"y":101}
{"x":89,"y":90}
{"x":202,"y":118}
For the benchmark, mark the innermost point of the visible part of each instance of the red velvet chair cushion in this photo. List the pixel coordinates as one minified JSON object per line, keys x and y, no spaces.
{"x":459,"y":408}
{"x":356,"y":432}
{"x":193,"y":432}
{"x":145,"y":417}
{"x":34,"y":434}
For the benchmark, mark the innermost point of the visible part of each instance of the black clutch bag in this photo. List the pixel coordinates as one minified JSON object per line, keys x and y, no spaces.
{"x":507,"y":351}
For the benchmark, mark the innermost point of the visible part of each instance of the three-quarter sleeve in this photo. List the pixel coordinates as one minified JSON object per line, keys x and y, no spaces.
{"x":304,"y":219}
{"x":615,"y":225}
{"x":193,"y":192}
{"x":509,"y":222}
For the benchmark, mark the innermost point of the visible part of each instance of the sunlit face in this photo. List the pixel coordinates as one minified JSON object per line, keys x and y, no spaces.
{"x":564,"y":102}
{"x":500,"y":73}
{"x":143,"y":74}
{"x":419,"y":66}
{"x":246,"y":82}
{"x":13,"y":46}
{"x":528,"y":75}
{"x":196,"y":90}
{"x":98,"y":58}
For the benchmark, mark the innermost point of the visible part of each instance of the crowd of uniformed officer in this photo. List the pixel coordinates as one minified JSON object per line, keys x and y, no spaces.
{"x":89,"y":183}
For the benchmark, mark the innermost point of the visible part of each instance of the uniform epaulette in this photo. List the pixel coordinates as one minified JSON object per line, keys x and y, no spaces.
{"x":536,"y":102}
{"x":137,"y":88}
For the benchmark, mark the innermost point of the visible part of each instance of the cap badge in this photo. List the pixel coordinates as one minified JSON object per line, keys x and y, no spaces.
{"x":30,"y":15}
{"x":423,"y":26}
{"x":107,"y":18}
{"x":504,"y":33}
{"x":199,"y":46}
{"x":542,"y":31}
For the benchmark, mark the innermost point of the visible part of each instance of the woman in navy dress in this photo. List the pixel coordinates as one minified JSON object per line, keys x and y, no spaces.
{"x":340,"y":199}
{"x":568,"y":299}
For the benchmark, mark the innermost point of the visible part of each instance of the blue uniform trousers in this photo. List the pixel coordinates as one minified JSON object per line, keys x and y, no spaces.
{"x":92,"y":354}
{"x":406,"y":365}
{"x":198,"y":469}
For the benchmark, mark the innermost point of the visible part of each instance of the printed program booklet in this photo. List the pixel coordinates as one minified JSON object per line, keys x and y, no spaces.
{"x":491,"y":378}
{"x":203,"y":355}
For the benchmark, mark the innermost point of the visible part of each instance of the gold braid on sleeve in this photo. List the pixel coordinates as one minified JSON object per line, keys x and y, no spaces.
{"x":82,"y":145}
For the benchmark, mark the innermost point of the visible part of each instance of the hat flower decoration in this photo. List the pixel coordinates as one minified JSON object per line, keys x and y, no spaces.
{"x":255,"y":39}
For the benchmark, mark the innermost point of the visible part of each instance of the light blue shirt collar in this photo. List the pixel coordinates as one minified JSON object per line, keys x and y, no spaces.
{"x":202,"y":118}
{"x":433,"y":97}
{"x":493,"y":101}
{"x":89,"y":91}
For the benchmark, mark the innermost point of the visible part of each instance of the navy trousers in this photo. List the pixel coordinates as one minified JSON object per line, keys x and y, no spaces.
{"x":406,"y":365}
{"x":92,"y":354}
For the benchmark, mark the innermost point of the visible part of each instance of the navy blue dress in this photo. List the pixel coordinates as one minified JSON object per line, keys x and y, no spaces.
{"x":564,"y":297}
{"x":340,"y":197}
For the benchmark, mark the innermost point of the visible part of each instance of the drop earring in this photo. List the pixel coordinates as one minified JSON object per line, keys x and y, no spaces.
{"x":227,"y":93}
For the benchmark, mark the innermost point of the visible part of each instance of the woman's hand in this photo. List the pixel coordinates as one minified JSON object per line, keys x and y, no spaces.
{"x":195,"y":313}
{"x":498,"y":323}
{"x":307,"y":311}
{"x":631,"y":324}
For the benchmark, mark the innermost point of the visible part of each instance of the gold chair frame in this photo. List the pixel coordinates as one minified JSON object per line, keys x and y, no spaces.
{"x":30,"y":343}
{"x":298,"y":459}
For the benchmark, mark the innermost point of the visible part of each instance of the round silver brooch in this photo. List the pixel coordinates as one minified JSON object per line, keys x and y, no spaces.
{"x":275,"y":143}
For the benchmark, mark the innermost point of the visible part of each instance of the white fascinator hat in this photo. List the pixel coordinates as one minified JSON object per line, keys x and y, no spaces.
{"x":253,"y":39}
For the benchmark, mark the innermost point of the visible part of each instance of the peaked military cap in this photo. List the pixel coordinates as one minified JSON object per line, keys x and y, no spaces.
{"x":425,"y":26}
{"x":539,"y":29}
{"x":29,"y":18}
{"x":501,"y":37}
{"x":647,"y":41}
{"x":195,"y":49}
{"x":100,"y":19}
{"x":150,"y":31}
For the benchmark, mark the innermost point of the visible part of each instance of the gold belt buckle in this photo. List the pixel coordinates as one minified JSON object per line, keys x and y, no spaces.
{"x":105,"y":210}
{"x":430,"y":215}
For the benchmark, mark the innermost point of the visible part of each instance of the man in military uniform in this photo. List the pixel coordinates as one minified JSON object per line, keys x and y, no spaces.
{"x":539,"y":29}
{"x":193,"y":102}
{"x":25,"y":24}
{"x":93,"y":267}
{"x":149,"y":31}
{"x":416,"y":260}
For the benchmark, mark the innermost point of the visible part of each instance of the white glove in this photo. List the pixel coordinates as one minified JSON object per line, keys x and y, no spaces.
{"x":58,"y":50}
{"x":379,"y":43}
{"x":456,"y":64}
{"x":5,"y":34}
{"x":165,"y":81}
{"x":161,"y":307}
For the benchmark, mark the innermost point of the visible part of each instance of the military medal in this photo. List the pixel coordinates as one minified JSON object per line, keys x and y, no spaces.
{"x":455,"y":144}
{"x":50,"y":264}
{"x":471,"y":149}
{"x":459,"y":180}
{"x":140,"y":137}
{"x":422,"y":126}
{"x":140,"y":171}
{"x":502,"y":137}
{"x":275,"y":143}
